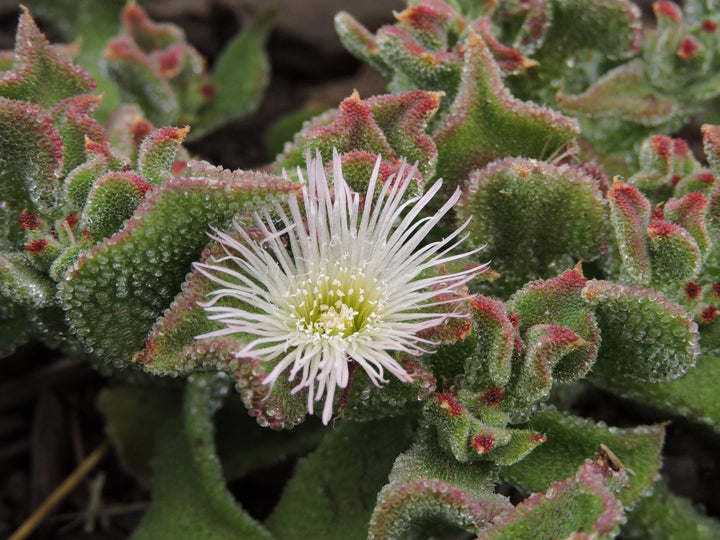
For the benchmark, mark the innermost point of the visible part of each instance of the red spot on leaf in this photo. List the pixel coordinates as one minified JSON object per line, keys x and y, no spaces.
{"x":668,"y":9}
{"x":483,"y":443}
{"x":704,"y":177}
{"x":72,"y":219}
{"x":662,"y":146}
{"x":208,"y":90}
{"x":492,"y":397}
{"x":661,"y":229}
{"x":688,"y":48}
{"x":36,"y":246}
{"x":709,"y":314}
{"x":178,"y":167}
{"x":692,"y":290}
{"x":140,"y":128}
{"x":716,"y":289}
{"x":30,"y":220}
{"x":169,"y":61}
{"x":449,"y":402}
{"x":708,"y":26}
{"x":680,"y":147}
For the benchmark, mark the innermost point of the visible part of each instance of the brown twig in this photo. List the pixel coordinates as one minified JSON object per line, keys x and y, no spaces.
{"x":62,"y":491}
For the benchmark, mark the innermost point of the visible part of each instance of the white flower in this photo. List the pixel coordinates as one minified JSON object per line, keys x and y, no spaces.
{"x":339,"y":283}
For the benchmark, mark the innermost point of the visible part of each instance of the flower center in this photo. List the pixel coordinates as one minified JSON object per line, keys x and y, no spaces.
{"x":336,"y":320}
{"x":337,"y":303}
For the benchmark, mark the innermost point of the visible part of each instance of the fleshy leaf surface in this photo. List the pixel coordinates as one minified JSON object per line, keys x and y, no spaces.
{"x":665,"y":516}
{"x":333,"y":491}
{"x":486,"y":122}
{"x":190,"y":498}
{"x":139,"y":270}
{"x":40,"y":75}
{"x":645,"y":336}
{"x":584,"y":502}
{"x":500,"y":198}
{"x":427,"y":486}
{"x":572,"y":439}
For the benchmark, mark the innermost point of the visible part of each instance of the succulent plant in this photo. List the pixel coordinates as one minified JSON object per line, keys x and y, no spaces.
{"x":600,"y":228}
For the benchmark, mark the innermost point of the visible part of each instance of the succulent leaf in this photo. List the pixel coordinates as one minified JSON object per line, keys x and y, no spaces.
{"x":139,"y":269}
{"x":630,"y":216}
{"x":572,"y":439}
{"x":622,"y":93}
{"x":21,"y":283}
{"x":391,"y":126}
{"x":666,"y":515}
{"x":674,"y":256}
{"x":584,"y":502}
{"x":689,"y":213}
{"x":693,"y":396}
{"x":135,"y":441}
{"x":359,"y":41}
{"x":74,"y":119}
{"x":189,"y":492}
{"x":645,"y":336}
{"x":547,"y":345}
{"x":239,"y":79}
{"x":322,"y":500}
{"x":425,"y":486}
{"x":466,"y":428}
{"x":495,"y":337}
{"x":32,"y":160}
{"x":557,"y":306}
{"x":567,"y":209}
{"x":157,"y":153}
{"x":486,"y":123}
{"x":612,"y":27}
{"x":40,"y":75}
{"x":111,"y":201}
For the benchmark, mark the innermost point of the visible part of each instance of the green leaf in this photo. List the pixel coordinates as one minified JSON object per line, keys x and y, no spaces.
{"x":244,"y":446}
{"x":581,"y":505}
{"x":112,"y":199}
{"x":21,"y":283}
{"x":499,"y":199}
{"x":140,"y":81}
{"x":140,"y":269}
{"x":94,"y":22}
{"x":551,"y":305}
{"x":645,"y":336}
{"x":361,"y":43}
{"x":610,"y":26}
{"x":74,"y":119}
{"x":190,"y":499}
{"x":693,"y":396}
{"x":571,"y":440}
{"x":630,"y":216}
{"x":157,"y":153}
{"x":240,"y":77}
{"x":333,"y":491}
{"x":486,"y":123}
{"x":623,"y":93}
{"x":134,"y":441}
{"x":40,"y":75}
{"x":666,"y":516}
{"x":427,"y":488}
{"x":31,"y":162}
{"x":674,"y":255}
{"x":495,"y":336}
